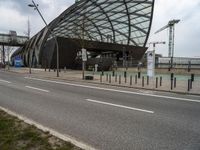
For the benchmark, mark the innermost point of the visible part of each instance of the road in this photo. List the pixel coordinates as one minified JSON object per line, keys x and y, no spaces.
{"x":106,"y":118}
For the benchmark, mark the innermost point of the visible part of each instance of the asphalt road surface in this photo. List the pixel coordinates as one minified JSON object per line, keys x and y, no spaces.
{"x":106,"y":118}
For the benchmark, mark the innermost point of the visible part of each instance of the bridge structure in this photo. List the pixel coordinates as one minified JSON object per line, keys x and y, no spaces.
{"x":13,"y":40}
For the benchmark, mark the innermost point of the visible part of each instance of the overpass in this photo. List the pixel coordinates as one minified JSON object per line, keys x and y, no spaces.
{"x":10,"y":40}
{"x":13,"y":40}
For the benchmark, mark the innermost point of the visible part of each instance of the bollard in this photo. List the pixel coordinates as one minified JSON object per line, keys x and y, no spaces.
{"x":135,"y":79}
{"x":192,"y":77}
{"x":147,"y":80}
{"x":115,"y":78}
{"x":156,"y":82}
{"x":189,"y":85}
{"x":172,"y":78}
{"x":160,"y":81}
{"x":143,"y":81}
{"x":110,"y":78}
{"x":139,"y":75}
{"x":131,"y":80}
{"x":125,"y":74}
{"x":174,"y":82}
{"x":119,"y":79}
{"x":113,"y":73}
{"x":107,"y":77}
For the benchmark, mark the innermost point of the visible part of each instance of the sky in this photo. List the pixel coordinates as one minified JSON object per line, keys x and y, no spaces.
{"x":14,"y":15}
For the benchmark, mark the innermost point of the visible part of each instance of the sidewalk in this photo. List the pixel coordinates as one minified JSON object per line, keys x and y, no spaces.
{"x":164,"y":84}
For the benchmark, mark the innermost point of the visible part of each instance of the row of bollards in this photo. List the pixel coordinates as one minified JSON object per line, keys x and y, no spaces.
{"x":158,"y":82}
{"x":146,"y":80}
{"x":118,"y":78}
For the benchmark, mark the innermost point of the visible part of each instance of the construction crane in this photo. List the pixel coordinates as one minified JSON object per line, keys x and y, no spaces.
{"x":154,"y":46}
{"x":171,"y":26}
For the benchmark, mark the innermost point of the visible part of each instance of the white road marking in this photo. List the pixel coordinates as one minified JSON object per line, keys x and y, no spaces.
{"x":5,"y":81}
{"x":50,"y":130}
{"x":38,"y":89}
{"x":120,"y":106}
{"x":115,"y":90}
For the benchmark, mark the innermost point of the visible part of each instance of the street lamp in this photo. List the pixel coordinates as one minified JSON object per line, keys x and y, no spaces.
{"x":35,"y":6}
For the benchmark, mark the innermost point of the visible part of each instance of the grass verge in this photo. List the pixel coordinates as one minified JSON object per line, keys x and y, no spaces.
{"x":17,"y":135}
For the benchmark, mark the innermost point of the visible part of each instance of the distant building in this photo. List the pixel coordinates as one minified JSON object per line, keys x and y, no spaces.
{"x":179,"y":62}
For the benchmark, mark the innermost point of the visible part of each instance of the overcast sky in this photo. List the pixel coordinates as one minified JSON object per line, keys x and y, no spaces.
{"x":15,"y":13}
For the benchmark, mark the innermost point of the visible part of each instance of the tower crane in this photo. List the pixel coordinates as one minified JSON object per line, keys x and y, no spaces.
{"x":171,"y":26}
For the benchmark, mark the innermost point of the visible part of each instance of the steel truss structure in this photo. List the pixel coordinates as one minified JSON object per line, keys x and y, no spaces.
{"x":125,"y":22}
{"x":116,"y":21}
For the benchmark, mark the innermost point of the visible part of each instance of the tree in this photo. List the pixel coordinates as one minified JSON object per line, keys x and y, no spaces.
{"x":8,"y":52}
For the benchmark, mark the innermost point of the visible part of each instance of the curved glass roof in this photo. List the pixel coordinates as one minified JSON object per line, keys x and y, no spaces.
{"x":116,"y":21}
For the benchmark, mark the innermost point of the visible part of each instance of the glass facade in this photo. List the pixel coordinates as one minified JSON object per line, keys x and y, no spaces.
{"x":115,"y":21}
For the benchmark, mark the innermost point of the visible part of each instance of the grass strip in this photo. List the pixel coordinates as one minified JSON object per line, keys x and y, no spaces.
{"x":17,"y":135}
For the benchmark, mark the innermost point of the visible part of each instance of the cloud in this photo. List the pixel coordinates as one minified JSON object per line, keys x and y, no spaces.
{"x":15,"y":13}
{"x":187,"y":32}
{"x":12,"y":20}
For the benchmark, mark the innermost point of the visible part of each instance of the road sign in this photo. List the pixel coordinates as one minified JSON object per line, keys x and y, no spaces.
{"x":84,"y":54}
{"x":18,"y":61}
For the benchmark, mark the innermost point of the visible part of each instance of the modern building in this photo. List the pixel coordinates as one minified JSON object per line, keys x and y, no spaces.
{"x":112,"y":31}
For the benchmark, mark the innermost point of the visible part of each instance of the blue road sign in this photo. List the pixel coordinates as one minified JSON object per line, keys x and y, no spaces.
{"x":18,"y":61}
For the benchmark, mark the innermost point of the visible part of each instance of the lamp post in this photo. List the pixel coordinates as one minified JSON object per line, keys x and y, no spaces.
{"x":35,"y":6}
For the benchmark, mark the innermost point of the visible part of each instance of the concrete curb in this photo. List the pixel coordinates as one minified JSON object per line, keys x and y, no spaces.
{"x":123,"y":86}
{"x":53,"y":132}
